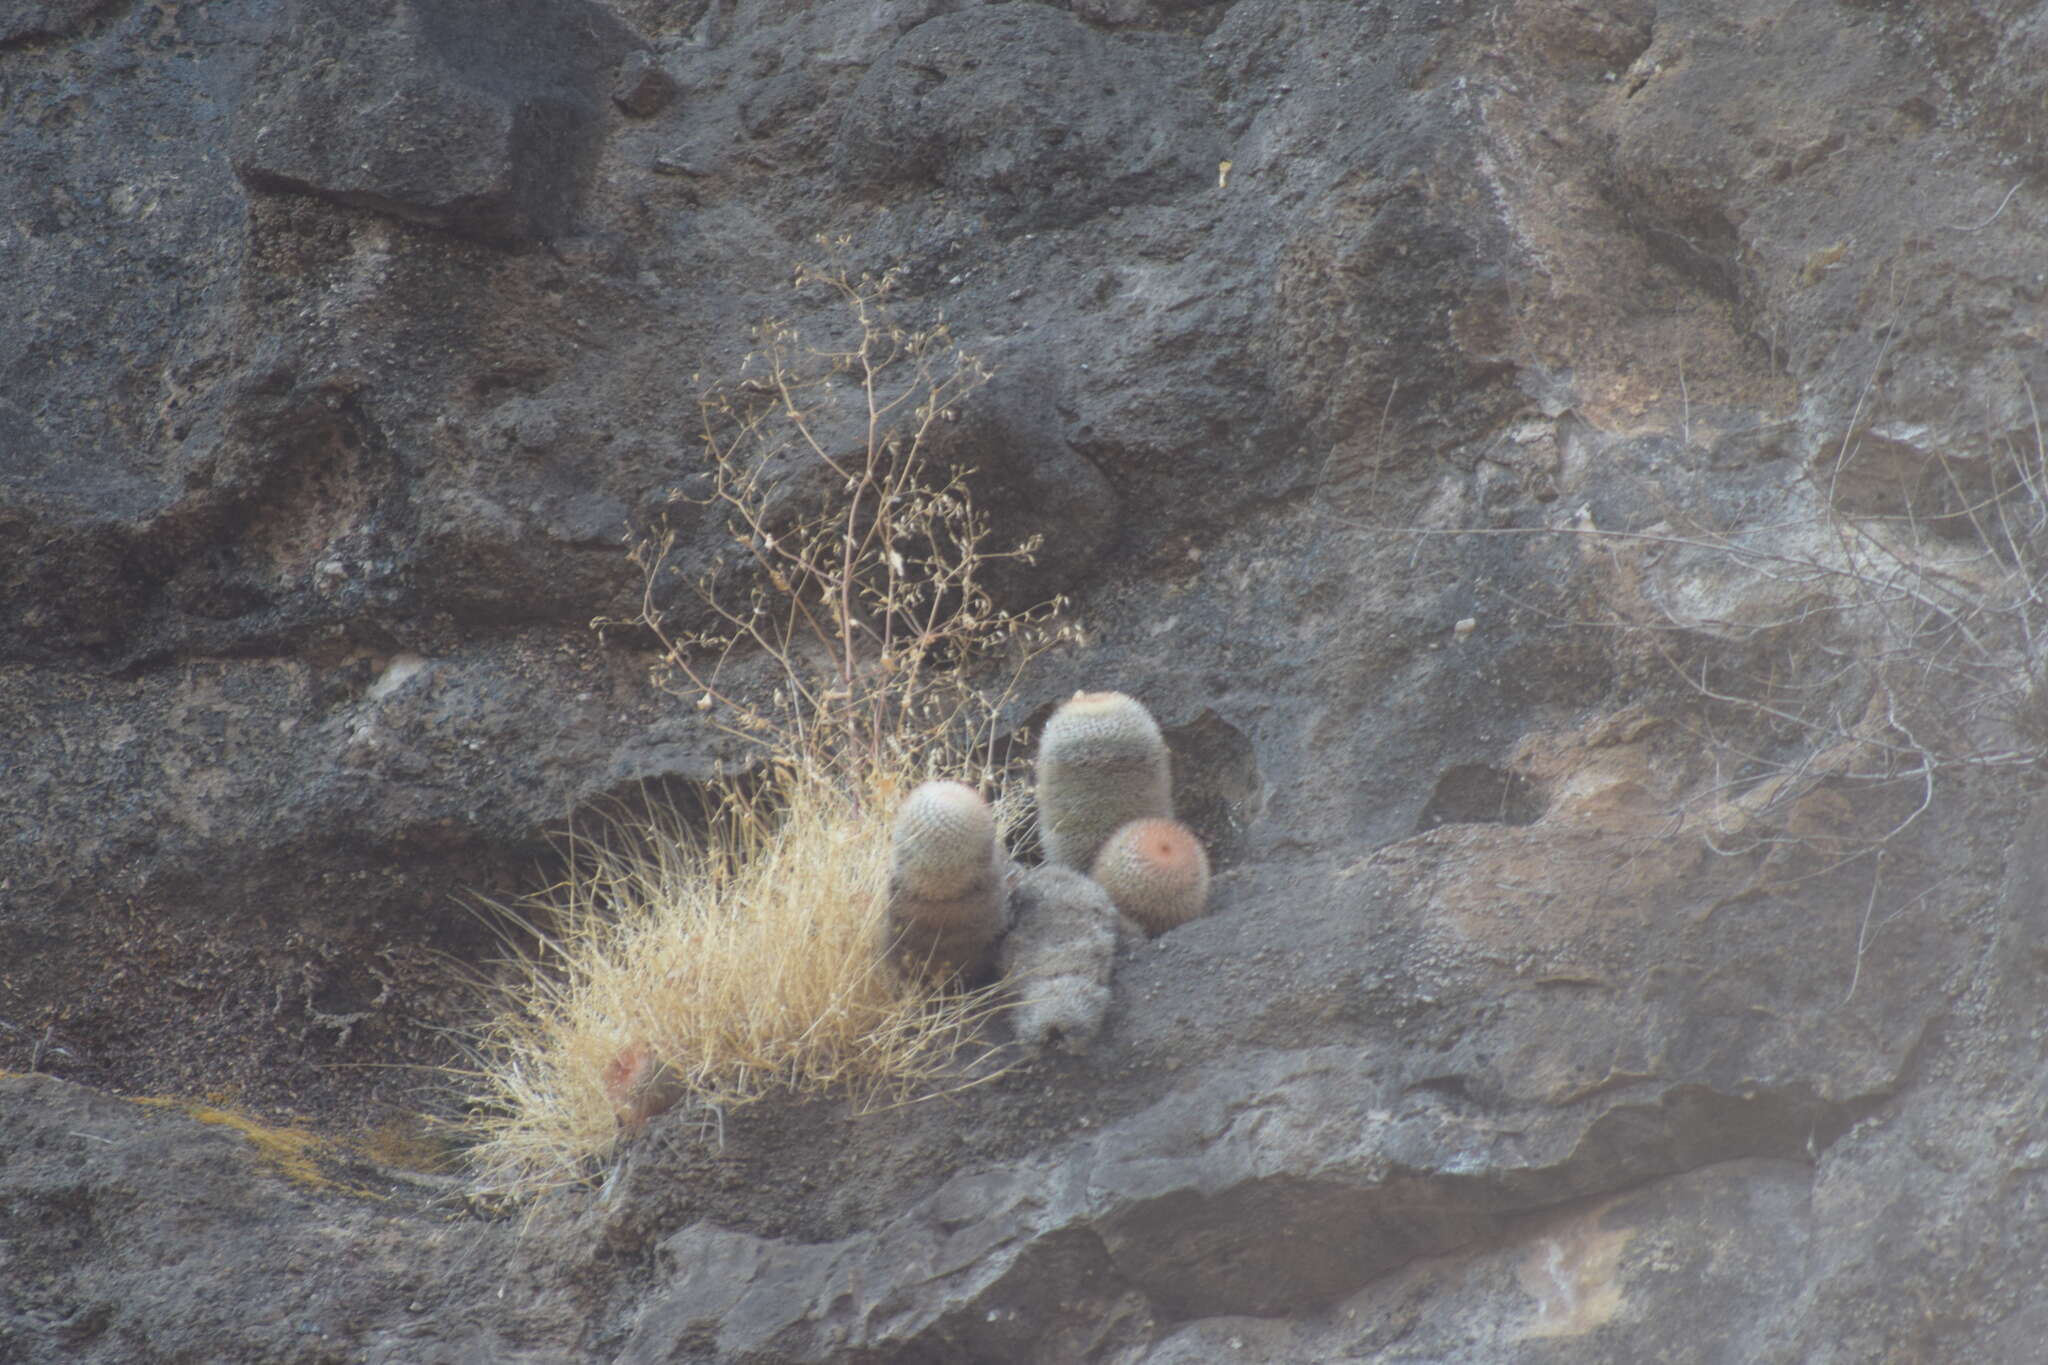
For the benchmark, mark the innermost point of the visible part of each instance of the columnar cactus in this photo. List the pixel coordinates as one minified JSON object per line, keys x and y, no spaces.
{"x":1058,"y":957}
{"x":1157,"y":873}
{"x":947,"y":901}
{"x":1102,"y":763}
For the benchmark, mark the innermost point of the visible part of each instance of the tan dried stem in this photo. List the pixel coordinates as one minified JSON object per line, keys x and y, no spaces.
{"x":702,"y":968}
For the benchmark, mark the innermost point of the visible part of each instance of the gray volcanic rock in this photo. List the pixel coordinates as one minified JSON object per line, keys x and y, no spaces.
{"x":32,"y":19}
{"x":148,"y":1230}
{"x":483,"y":122}
{"x":1565,"y":474}
{"x":1704,"y":1248}
{"x":1033,"y":115}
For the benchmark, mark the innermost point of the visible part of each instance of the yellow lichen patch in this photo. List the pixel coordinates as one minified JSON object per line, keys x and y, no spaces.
{"x":408,"y":1144}
{"x":1572,"y":1273}
{"x":297,"y":1155}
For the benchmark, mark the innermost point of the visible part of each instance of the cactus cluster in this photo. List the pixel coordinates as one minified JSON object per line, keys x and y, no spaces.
{"x":958,"y":910}
{"x":1105,"y":806}
{"x":1115,"y":859}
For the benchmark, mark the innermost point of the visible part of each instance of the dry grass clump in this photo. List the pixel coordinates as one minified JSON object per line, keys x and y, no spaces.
{"x":845,"y":636}
{"x":737,"y":961}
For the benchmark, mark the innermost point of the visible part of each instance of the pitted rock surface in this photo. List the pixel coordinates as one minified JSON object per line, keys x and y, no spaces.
{"x":1565,"y":476}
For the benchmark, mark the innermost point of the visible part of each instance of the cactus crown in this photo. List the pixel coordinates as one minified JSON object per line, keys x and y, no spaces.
{"x":945,"y":838}
{"x":1101,"y":763}
{"x":1092,"y":724}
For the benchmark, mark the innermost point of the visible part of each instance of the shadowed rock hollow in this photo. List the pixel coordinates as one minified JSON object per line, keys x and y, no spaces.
{"x":1566,"y":477}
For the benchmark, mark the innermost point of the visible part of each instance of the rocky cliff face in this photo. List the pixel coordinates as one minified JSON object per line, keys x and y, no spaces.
{"x":1567,"y":475}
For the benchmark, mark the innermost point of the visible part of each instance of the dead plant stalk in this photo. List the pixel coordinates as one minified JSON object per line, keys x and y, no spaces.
{"x":712,"y":965}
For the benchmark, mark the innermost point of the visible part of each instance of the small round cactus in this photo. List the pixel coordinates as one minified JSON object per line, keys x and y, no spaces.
{"x":1157,"y":873}
{"x":1101,"y":764}
{"x":639,"y":1086}
{"x":947,"y":901}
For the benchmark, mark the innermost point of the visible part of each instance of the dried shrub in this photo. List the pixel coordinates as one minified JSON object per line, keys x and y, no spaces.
{"x":844,"y":635}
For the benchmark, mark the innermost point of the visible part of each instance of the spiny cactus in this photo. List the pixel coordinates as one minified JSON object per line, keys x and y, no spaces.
{"x":1101,"y":764}
{"x":1058,"y":957}
{"x":1157,"y":873}
{"x":639,"y":1086}
{"x":947,"y":900}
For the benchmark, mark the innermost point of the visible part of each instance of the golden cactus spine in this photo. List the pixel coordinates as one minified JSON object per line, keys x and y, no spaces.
{"x":1102,"y":763}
